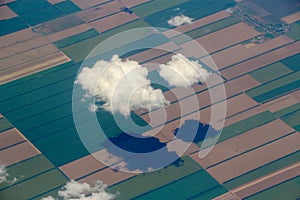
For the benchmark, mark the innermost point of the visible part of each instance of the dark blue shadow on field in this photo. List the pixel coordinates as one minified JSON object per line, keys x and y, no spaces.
{"x":136,"y":144}
{"x":141,"y":153}
{"x":202,"y":129}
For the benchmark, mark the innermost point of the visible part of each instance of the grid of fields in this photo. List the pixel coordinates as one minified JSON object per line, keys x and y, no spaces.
{"x":44,"y":42}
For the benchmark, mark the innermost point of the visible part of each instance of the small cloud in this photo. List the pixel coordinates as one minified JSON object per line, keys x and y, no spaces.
{"x":180,"y":20}
{"x":181,"y":72}
{"x":3,"y":174}
{"x":83,"y":191}
{"x":122,"y":86}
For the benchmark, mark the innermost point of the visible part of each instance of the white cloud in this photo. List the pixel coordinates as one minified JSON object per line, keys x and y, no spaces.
{"x":3,"y":174}
{"x":180,"y":20}
{"x":181,"y":72}
{"x":83,"y":191}
{"x":122,"y":86}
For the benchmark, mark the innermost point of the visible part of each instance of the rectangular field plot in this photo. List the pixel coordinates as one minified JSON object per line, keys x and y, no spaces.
{"x":27,"y":6}
{"x":34,"y":186}
{"x":246,"y":125}
{"x":207,"y":29}
{"x":27,"y":169}
{"x":194,"y":9}
{"x":10,"y":137}
{"x":276,"y":192}
{"x":196,"y":184}
{"x":289,"y":109}
{"x":258,"y":157}
{"x":67,"y":7}
{"x":8,"y":26}
{"x":244,"y":142}
{"x":263,"y":170}
{"x":155,"y":6}
{"x":294,"y":33}
{"x":292,"y":62}
{"x":76,"y":38}
{"x":270,"y":72}
{"x":292,"y":119}
{"x":150,"y":181}
{"x":42,"y":15}
{"x":80,"y":50}
{"x":275,"y":88}
{"x":5,"y":125}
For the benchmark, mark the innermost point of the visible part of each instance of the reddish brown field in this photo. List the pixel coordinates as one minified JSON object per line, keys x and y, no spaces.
{"x":244,"y":115}
{"x":68,"y":32}
{"x":55,"y":1}
{"x":10,"y":137}
{"x":17,"y":37}
{"x":88,"y":3}
{"x":201,"y":100}
{"x":263,"y":60}
{"x":24,"y":46}
{"x":28,"y":56}
{"x":291,"y":18}
{"x":198,"y":23}
{"x":132,"y":3}
{"x":244,"y":142}
{"x":240,"y":52}
{"x":227,"y":196}
{"x":113,"y":21}
{"x":107,"y":176}
{"x":19,"y":71}
{"x":256,"y":158}
{"x":296,"y":95}
{"x":99,"y":11}
{"x":81,"y":167}
{"x":233,"y":34}
{"x":18,"y":153}
{"x":6,"y":13}
{"x":281,"y":102}
{"x":268,"y":181}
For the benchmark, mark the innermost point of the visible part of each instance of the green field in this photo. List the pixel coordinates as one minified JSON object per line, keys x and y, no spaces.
{"x":80,"y":50}
{"x":292,"y":119}
{"x":204,"y":30}
{"x":5,"y":125}
{"x":287,"y":110}
{"x":263,"y":170}
{"x":293,"y":62}
{"x":285,"y":190}
{"x":275,"y":88}
{"x":76,"y":38}
{"x":195,"y":9}
{"x":41,"y":16}
{"x":155,"y":6}
{"x":150,"y":181}
{"x":219,"y":190}
{"x":8,"y":26}
{"x":273,"y":71}
{"x":27,"y":169}
{"x":36,"y":185}
{"x":197,"y":184}
{"x":67,"y":7}
{"x":245,"y":125}
{"x":294,"y":33}
{"x":23,"y":7}
{"x":58,"y":24}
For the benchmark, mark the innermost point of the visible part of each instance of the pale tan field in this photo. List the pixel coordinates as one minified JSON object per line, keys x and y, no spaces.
{"x":261,"y":60}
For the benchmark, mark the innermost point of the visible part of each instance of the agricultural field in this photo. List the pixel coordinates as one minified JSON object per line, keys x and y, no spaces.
{"x":253,"y":149}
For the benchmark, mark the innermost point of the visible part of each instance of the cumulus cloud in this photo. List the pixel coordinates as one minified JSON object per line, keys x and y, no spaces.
{"x":180,"y":20}
{"x":122,"y":86}
{"x":181,"y":72}
{"x":83,"y":191}
{"x":3,"y":174}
